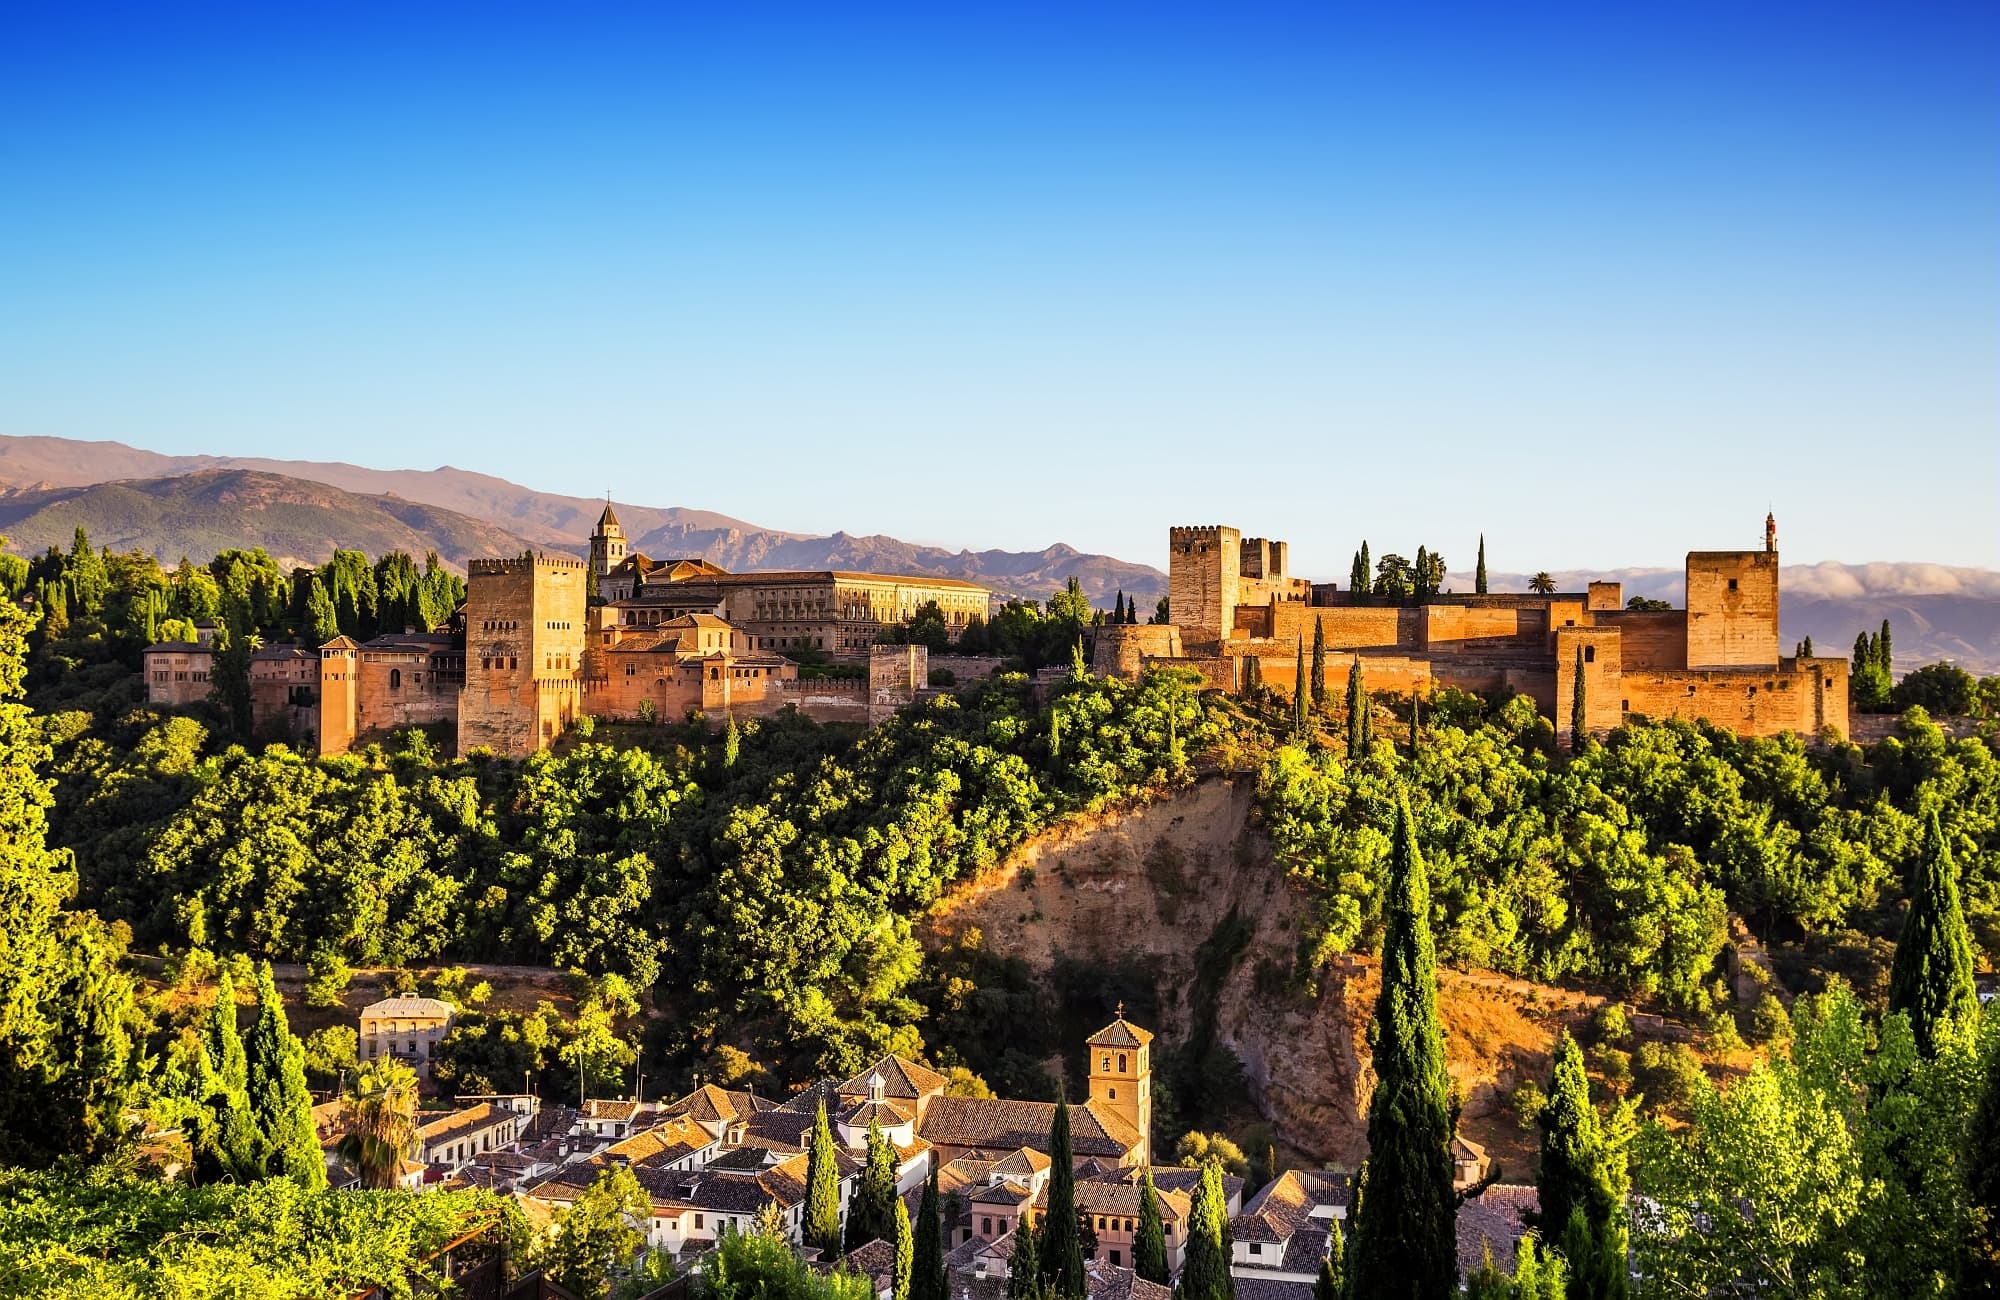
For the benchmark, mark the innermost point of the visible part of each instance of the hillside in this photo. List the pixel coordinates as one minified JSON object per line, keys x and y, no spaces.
{"x":207,"y":511}
{"x":553,"y":521}
{"x":1147,"y":888}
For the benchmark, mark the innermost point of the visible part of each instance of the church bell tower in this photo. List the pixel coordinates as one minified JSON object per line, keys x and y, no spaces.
{"x":1121,"y":1078}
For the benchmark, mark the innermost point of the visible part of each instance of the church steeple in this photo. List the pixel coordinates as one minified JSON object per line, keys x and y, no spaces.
{"x":1121,"y":1078}
{"x":607,"y":543}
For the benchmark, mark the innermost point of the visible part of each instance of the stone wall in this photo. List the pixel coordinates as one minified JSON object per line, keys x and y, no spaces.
{"x":1651,"y":638}
{"x":1122,"y":651}
{"x":1603,"y":674}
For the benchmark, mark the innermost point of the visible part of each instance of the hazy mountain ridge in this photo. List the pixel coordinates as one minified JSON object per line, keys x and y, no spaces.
{"x":198,"y":514}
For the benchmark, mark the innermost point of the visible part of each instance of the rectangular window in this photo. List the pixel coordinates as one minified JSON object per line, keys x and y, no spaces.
{"x":1115,"y":1261}
{"x":1732,"y":584}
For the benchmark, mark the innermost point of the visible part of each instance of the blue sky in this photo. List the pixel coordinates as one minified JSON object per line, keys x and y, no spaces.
{"x":1605,"y":281}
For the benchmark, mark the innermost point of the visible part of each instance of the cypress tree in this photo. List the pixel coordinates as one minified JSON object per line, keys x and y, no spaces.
{"x":1024,"y":1267}
{"x":1883,"y":654}
{"x":871,"y":1215}
{"x":1149,"y":1248}
{"x":280,"y":1104}
{"x":732,"y":747}
{"x":1367,"y":570}
{"x":1932,"y":977}
{"x":1405,"y":1215}
{"x":1579,"y":725}
{"x":1864,"y":654}
{"x":232,"y":1135}
{"x":1416,"y":718}
{"x":1583,"y":1181}
{"x":1299,"y":695}
{"x":927,"y":1265}
{"x":1319,"y":663}
{"x":822,"y":1221}
{"x":1981,"y":1163}
{"x":1357,"y":713}
{"x":1061,"y":1244}
{"x":1205,"y":1265}
{"x":1479,"y":574}
{"x":1420,"y":586}
{"x":1332,"y":1281}
{"x":1807,"y":648}
{"x":1357,"y":577}
{"x":905,"y":1253}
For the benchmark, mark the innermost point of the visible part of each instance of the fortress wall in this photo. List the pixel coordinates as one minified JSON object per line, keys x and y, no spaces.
{"x":1350,"y":627}
{"x":1753,"y":701}
{"x":1443,"y":624}
{"x":1652,"y":638}
{"x":1203,"y":580}
{"x":1122,"y":651}
{"x":1602,"y":678}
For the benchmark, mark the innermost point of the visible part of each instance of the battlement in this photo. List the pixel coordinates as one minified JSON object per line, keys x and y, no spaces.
{"x":522,"y":564}
{"x":1186,"y":534}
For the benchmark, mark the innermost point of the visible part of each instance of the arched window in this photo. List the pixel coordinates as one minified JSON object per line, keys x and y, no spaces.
{"x":395,"y":679}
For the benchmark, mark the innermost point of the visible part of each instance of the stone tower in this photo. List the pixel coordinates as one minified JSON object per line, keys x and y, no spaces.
{"x":1121,"y":1078}
{"x":607,"y":544}
{"x":339,"y":695}
{"x":1204,"y":577}
{"x":525,"y":624}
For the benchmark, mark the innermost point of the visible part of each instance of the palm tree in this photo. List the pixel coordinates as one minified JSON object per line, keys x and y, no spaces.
{"x":380,"y":1111}
{"x":1542,"y":584}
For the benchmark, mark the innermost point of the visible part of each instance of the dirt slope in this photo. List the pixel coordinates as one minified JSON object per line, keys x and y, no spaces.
{"x":1155,"y":883}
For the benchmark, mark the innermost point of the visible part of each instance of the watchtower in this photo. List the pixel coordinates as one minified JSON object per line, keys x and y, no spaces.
{"x":1204,"y":580}
{"x":525,"y":624}
{"x":1121,"y":1078}
{"x":339,"y":695}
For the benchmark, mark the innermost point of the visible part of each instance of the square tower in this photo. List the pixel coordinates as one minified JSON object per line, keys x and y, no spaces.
{"x":525,"y":625}
{"x":1121,"y":1079}
{"x":1204,"y":577}
{"x":1732,"y":609}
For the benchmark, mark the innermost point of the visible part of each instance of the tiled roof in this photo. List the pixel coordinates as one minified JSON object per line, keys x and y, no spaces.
{"x":1122,"y":1198}
{"x":1120,"y":1033}
{"x":1166,"y":1178}
{"x":965,"y":1171}
{"x":886,"y":1113}
{"x":1025,"y":1163}
{"x":1271,"y":1288}
{"x":998,"y":1194}
{"x":903,"y":1079}
{"x":1493,"y":1218}
{"x":458,"y":1123}
{"x":408,"y":1008}
{"x":874,"y":1259}
{"x":1110,"y":1282}
{"x":596,"y":1108}
{"x":1286,"y":1204}
{"x":1010,"y":1125}
{"x":662,"y":1144}
{"x":713,"y":1105}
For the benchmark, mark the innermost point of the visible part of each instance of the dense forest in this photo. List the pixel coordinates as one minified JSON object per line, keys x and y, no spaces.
{"x":741,"y":906}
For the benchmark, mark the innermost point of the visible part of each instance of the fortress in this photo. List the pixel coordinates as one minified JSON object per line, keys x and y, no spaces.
{"x":1233,"y":602}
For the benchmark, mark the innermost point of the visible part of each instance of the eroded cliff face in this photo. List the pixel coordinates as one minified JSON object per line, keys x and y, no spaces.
{"x":1155,"y":882}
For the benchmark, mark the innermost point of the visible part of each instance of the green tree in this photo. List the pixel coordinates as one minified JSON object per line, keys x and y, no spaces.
{"x":1931,"y":980}
{"x":1205,"y":1262}
{"x":1405,"y":1207}
{"x":323,"y":624}
{"x":1300,"y":703}
{"x":927,"y":1280}
{"x":1062,"y":1245}
{"x":1479,"y":574}
{"x":822,"y":1212}
{"x":905,"y":1253}
{"x":871,"y":1214}
{"x":379,"y":1113}
{"x":732,"y":744}
{"x":1884,"y":654}
{"x":1583,"y":1172}
{"x":598,"y":1234}
{"x":1319,"y":697}
{"x":280,"y":1105}
{"x":1980,"y":1163}
{"x":1149,"y":1247}
{"x":1358,"y":723}
{"x":1579,"y":713}
{"x":232,"y":1142}
{"x":1024,"y":1266}
{"x":1331,"y":1284}
{"x":89,"y":581}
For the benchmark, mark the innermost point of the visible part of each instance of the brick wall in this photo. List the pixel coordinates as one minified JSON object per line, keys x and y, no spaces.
{"x":1122,"y":651}
{"x":1732,"y":609}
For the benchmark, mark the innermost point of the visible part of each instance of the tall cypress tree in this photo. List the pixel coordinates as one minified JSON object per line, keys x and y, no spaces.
{"x":1583,"y":1180}
{"x":905,"y":1253}
{"x":1357,"y":713}
{"x":1479,"y":574}
{"x":1149,"y":1247}
{"x":927,"y":1267}
{"x":1319,"y":663}
{"x":1332,"y":1281}
{"x":872,"y":1213}
{"x":1024,"y":1266}
{"x":1205,"y":1265}
{"x":1416,"y":719}
{"x":1422,"y":575}
{"x":280,"y":1105}
{"x":231,"y":1141}
{"x":1061,"y":1244}
{"x":1579,"y":724}
{"x":1883,"y":654}
{"x":1367,"y":570}
{"x":1932,"y":977}
{"x":1357,"y":577}
{"x":822,"y":1221}
{"x":1299,"y":689}
{"x":1405,"y":1216}
{"x":1981,"y":1163}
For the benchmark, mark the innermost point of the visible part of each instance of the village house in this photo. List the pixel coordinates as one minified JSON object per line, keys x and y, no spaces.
{"x":406,"y":1028}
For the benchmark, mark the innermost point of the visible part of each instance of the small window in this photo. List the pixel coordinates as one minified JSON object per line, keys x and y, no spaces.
{"x":1256,"y":1247}
{"x":395,"y":679}
{"x":1114,"y":1094}
{"x":1590,"y":654}
{"x":1121,"y":1062}
{"x":1732,"y":584}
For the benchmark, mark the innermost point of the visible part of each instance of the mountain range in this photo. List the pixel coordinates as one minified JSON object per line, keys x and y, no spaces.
{"x":299,"y":511}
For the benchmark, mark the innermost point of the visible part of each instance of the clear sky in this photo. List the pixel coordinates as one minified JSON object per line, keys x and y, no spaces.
{"x":1606,"y":281}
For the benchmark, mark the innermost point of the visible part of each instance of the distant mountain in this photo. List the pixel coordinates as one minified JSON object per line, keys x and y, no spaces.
{"x":200,"y":513}
{"x":555,"y":522}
